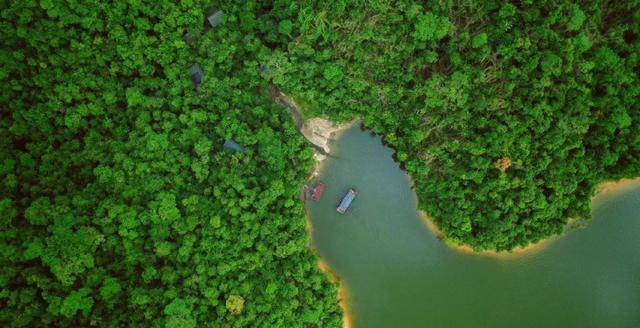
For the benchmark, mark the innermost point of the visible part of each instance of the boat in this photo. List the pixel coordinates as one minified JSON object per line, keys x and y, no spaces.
{"x":346,"y":200}
{"x":317,"y":191}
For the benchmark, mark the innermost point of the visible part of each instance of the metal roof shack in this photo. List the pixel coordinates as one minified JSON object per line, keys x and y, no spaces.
{"x":196,"y":74}
{"x":215,"y":19}
{"x":230,"y":144}
{"x":264,"y":71}
{"x":346,"y":201}
{"x":188,"y":38}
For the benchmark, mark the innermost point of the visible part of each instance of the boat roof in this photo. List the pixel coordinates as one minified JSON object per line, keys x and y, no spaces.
{"x":346,"y":201}
{"x":317,"y":191}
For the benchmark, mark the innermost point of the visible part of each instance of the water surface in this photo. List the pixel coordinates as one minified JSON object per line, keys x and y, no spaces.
{"x":398,"y":274}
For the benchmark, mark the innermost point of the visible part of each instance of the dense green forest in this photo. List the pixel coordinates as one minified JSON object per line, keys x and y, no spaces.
{"x":506,"y":114}
{"x":119,"y":205}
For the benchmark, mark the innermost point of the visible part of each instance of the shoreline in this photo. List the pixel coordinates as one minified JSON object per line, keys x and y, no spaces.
{"x":321,"y":132}
{"x":467,"y":249}
{"x":610,"y":185}
{"x":324,"y":133}
{"x":602,"y":188}
{"x":518,"y":252}
{"x":343,"y":294}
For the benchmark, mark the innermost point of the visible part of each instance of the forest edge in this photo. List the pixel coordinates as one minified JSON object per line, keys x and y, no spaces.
{"x":330,"y":130}
{"x":603,"y":187}
{"x":320,"y":131}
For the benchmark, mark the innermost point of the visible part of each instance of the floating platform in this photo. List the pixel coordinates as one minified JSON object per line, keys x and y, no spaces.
{"x":317,"y":191}
{"x":346,"y":200}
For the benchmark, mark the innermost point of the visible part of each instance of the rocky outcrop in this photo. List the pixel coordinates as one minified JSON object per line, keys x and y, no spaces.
{"x":317,"y":131}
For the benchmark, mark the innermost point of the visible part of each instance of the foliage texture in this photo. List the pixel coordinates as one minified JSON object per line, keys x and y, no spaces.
{"x":119,"y":205}
{"x":506,"y":114}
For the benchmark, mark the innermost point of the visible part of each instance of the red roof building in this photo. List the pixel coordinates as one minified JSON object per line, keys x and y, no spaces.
{"x":317,"y":191}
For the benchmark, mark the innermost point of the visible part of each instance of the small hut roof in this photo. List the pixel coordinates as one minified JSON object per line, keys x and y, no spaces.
{"x":264,"y":71}
{"x":196,"y":74}
{"x":215,"y":19}
{"x":230,"y":144}
{"x":188,"y":38}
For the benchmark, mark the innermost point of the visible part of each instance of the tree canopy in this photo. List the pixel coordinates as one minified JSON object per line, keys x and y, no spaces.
{"x":120,"y":205}
{"x":506,"y":114}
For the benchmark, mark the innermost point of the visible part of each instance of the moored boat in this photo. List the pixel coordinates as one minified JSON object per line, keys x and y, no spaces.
{"x":318,"y":189}
{"x":346,"y":200}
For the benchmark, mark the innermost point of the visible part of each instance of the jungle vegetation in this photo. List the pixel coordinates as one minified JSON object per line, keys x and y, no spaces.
{"x":119,"y":205}
{"x":507,"y":114}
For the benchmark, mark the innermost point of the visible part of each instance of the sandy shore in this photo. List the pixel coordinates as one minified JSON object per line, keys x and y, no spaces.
{"x":321,"y":132}
{"x":343,"y":294}
{"x":620,"y":185}
{"x":604,"y":187}
{"x":514,"y":253}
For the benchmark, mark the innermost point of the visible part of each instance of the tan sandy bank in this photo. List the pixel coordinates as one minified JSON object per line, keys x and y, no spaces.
{"x":320,"y":132}
{"x":602,"y":188}
{"x":617,"y":186}
{"x":514,"y":253}
{"x":343,"y":294}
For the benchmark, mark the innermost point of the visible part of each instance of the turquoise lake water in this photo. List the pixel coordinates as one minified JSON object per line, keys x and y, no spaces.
{"x":398,"y":274}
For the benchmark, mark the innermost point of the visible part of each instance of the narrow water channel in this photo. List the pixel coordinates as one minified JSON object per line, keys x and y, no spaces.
{"x":398,"y":274}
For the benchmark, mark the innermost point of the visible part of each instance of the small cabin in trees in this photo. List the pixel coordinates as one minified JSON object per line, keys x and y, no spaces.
{"x":196,"y":74}
{"x":230,"y":144}
{"x":264,"y":71}
{"x":215,"y":19}
{"x":188,"y":38}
